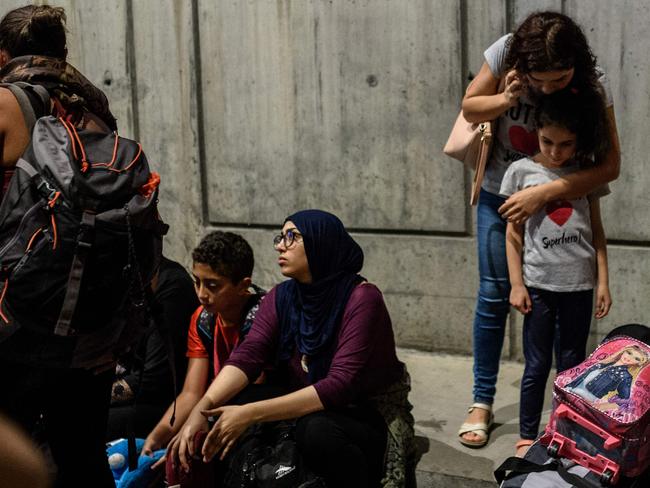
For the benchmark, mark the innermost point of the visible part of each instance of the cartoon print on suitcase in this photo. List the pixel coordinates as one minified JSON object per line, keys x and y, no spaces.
{"x":614,"y":379}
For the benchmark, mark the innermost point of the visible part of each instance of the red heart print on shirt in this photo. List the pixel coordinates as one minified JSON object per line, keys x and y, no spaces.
{"x":523,"y":141}
{"x":559,"y":211}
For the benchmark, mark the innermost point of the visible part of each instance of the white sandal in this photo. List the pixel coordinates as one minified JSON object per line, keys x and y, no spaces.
{"x":481,"y":429}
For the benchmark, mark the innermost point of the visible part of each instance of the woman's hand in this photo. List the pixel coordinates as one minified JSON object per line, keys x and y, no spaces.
{"x":181,"y":447}
{"x":603,"y":301}
{"x":232,"y":422}
{"x":514,"y":87}
{"x":520,"y":299}
{"x":520,"y":206}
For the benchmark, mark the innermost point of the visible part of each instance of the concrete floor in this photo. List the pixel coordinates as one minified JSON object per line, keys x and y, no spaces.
{"x":441,"y":393}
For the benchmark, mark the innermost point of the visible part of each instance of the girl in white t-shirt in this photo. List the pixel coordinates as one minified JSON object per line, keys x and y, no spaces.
{"x":558,"y":258}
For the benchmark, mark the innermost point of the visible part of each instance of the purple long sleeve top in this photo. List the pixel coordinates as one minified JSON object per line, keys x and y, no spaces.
{"x":364,"y":358}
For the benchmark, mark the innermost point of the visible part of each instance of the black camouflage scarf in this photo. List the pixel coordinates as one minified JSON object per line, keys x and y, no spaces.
{"x":63,"y":81}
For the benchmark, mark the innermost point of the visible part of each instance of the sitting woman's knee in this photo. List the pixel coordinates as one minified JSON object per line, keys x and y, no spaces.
{"x":316,"y":433}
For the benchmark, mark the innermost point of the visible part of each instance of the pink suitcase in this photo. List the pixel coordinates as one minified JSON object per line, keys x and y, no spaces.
{"x":601,"y":411}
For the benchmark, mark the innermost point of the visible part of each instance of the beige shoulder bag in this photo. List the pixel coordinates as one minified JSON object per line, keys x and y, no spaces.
{"x":471,"y":144}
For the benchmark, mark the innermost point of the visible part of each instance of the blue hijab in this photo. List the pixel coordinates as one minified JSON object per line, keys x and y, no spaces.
{"x":310,"y":314}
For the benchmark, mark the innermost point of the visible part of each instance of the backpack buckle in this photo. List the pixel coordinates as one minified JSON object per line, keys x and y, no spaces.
{"x":86,"y":234}
{"x":47,"y":190}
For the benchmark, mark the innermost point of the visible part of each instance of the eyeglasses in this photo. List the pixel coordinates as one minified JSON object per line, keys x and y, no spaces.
{"x":288,"y":238}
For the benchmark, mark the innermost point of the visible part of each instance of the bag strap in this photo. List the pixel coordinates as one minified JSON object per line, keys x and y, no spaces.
{"x":205,"y":330}
{"x":26,"y":167}
{"x":165,"y":334}
{"x":40,"y":93}
{"x":518,"y":465}
{"x":132,"y":454}
{"x":84,"y":243}
{"x":31,"y":113}
{"x":171,"y":360}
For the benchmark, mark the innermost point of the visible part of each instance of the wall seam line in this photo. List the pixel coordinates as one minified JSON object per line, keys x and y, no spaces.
{"x":509,"y":14}
{"x":200,"y":119}
{"x":132,"y":69}
{"x":464,"y":79}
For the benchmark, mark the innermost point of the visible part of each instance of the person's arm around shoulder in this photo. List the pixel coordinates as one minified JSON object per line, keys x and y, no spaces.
{"x":482,"y":101}
{"x":519,"y":297}
{"x":603,"y":296}
{"x":520,"y":206}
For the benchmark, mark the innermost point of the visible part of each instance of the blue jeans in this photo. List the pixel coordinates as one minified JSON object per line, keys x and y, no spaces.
{"x":493,"y":301}
{"x":557,"y":318}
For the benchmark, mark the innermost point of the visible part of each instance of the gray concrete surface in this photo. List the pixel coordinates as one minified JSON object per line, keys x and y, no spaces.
{"x":441,"y":393}
{"x":251,"y":110}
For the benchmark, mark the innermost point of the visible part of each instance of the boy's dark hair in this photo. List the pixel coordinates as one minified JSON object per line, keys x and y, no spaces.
{"x":551,"y":41}
{"x":227,"y":254}
{"x":583,"y":114}
{"x":36,"y":30}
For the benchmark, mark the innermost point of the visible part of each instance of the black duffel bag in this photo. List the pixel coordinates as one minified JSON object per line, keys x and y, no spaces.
{"x":539,"y":470}
{"x":267,"y":456}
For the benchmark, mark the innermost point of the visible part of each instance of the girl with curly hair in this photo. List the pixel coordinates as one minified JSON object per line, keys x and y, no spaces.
{"x":547,"y":53}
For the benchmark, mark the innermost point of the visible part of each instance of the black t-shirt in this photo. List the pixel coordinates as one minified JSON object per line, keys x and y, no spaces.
{"x":174,"y":302}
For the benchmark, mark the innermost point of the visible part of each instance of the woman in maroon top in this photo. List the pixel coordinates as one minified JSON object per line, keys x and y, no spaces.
{"x":329,"y":335}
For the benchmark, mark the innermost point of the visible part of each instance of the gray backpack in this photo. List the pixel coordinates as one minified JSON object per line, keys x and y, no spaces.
{"x":80,"y":241}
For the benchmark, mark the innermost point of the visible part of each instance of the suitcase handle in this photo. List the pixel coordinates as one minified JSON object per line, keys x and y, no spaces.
{"x":607,"y":469}
{"x":611,"y":441}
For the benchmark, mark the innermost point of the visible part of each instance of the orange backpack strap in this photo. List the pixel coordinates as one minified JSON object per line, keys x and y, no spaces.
{"x":150,"y":186}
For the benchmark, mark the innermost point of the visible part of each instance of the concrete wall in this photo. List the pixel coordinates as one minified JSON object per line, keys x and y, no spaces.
{"x":251,"y":110}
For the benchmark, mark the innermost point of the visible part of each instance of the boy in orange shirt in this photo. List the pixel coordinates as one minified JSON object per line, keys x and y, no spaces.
{"x":222,"y":268}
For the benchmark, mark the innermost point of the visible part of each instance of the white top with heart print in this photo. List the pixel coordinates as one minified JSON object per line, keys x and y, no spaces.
{"x":515,"y":135}
{"x":558,"y":251}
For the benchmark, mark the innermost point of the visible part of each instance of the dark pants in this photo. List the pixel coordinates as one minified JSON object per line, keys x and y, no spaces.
{"x":144,"y":417}
{"x":570,"y":312}
{"x":71,"y":405}
{"x":344,"y":446}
